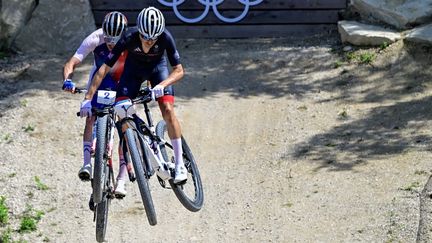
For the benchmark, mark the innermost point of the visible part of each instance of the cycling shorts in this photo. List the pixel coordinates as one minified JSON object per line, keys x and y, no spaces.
{"x":134,"y":76}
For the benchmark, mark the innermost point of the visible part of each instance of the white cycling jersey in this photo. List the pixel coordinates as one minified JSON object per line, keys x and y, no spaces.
{"x":89,"y":44}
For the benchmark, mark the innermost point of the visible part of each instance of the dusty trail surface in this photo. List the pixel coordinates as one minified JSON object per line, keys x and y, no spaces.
{"x":290,"y":147}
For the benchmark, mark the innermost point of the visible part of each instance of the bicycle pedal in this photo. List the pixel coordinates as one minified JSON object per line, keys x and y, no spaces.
{"x":117,"y":196}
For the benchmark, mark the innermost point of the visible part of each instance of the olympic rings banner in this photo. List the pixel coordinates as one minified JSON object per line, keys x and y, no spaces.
{"x":207,"y":4}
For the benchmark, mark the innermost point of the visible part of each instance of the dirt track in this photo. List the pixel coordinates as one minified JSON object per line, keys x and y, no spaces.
{"x":290,"y":148}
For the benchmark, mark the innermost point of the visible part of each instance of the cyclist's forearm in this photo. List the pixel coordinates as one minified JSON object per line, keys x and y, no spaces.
{"x":176,"y":74}
{"x":96,"y":81}
{"x":69,"y":68}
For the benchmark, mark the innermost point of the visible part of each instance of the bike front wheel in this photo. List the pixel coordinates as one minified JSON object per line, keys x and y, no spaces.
{"x":100,"y":158}
{"x":102,"y":219}
{"x":137,"y":160}
{"x":190,"y":194}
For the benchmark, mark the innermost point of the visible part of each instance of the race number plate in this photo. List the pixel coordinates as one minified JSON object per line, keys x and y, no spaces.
{"x":106,"y":97}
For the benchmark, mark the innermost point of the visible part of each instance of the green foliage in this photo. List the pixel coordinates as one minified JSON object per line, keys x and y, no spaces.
{"x":384,"y":45}
{"x":411,"y":187}
{"x":363,"y":57}
{"x":302,"y":108}
{"x":39,"y":185}
{"x":30,"y":219}
{"x":343,"y":114}
{"x":28,"y":128}
{"x":338,"y":64}
{"x":4,"y":211}
{"x":7,"y":138}
{"x":23,"y":103}
{"x":351,"y":56}
{"x":28,"y":224}
{"x":367,"y":57}
{"x":6,"y":236}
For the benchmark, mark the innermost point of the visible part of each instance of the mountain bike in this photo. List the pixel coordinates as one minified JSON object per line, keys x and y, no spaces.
{"x":151,"y":153}
{"x":103,"y":182}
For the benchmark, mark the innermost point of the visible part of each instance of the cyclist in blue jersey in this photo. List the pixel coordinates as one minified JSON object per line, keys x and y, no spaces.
{"x":100,"y":42}
{"x":147,"y":44}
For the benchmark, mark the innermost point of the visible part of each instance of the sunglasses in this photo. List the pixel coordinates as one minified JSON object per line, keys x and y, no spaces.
{"x":148,"y":38}
{"x":111,"y":40}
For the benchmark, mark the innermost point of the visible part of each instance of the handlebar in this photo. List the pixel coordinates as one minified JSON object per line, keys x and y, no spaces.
{"x":144,"y":96}
{"x":79,"y":91}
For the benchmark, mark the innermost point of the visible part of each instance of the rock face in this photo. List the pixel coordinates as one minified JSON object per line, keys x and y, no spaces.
{"x":366,"y":35}
{"x":14,"y":15}
{"x":401,"y":14}
{"x":421,"y":35}
{"x":57,"y":26}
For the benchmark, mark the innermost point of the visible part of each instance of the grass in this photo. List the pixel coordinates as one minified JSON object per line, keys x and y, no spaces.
{"x":302,"y":108}
{"x":343,"y":114}
{"x":7,"y":138}
{"x":384,"y":45}
{"x":23,"y":103}
{"x":421,"y":172}
{"x":367,"y":57}
{"x":4,"y":211}
{"x":411,"y":187}
{"x":12,"y":175}
{"x":28,"y":224}
{"x":28,"y":128}
{"x":30,"y":219}
{"x":351,"y":56}
{"x":362,"y":57}
{"x":6,"y":236}
{"x":39,"y":185}
{"x":338,"y":64}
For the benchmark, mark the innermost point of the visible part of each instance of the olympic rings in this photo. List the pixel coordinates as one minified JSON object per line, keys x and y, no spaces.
{"x":213,"y":4}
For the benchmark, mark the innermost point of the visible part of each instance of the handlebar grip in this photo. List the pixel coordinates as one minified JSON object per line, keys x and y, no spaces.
{"x":78,"y":91}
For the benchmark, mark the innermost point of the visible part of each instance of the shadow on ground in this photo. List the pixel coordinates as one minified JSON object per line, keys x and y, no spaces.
{"x":297,"y":69}
{"x":398,"y":112}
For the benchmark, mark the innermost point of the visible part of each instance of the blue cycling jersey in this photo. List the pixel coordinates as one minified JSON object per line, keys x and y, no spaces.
{"x":131,"y":42}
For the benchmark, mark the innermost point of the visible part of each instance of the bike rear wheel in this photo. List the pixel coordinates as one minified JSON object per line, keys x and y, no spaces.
{"x":190,"y":194}
{"x":138,"y":156}
{"x":100,"y":158}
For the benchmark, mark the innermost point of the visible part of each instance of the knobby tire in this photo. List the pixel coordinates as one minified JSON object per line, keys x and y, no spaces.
{"x":192,"y":203}
{"x":100,"y":158}
{"x":137,"y":161}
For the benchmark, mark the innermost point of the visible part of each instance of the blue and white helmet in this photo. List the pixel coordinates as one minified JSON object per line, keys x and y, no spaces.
{"x":113,"y":26}
{"x":151,"y":23}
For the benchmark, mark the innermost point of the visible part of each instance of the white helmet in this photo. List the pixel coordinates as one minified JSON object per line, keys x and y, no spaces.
{"x":151,"y":23}
{"x":113,"y":26}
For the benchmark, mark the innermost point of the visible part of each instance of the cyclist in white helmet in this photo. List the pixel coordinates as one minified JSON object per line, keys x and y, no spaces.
{"x":100,"y":42}
{"x":146,"y":45}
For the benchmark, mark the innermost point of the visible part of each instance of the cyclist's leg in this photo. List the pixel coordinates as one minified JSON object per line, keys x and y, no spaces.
{"x":88,"y":143}
{"x":85,"y":171}
{"x":166,"y":105}
{"x":128,"y":87}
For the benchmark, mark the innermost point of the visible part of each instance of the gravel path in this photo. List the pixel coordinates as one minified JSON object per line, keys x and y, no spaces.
{"x":290,"y":147}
